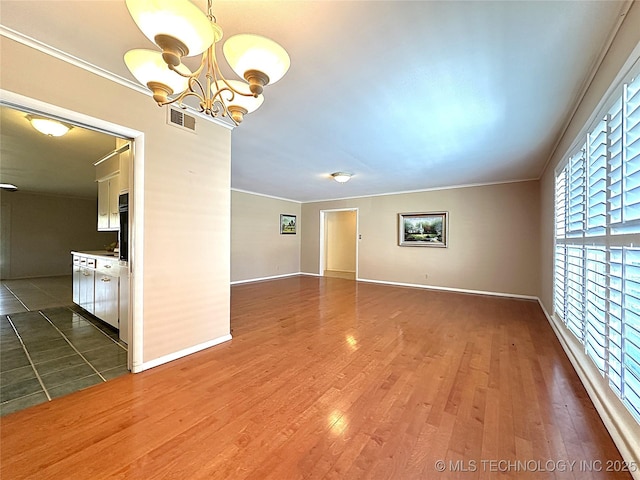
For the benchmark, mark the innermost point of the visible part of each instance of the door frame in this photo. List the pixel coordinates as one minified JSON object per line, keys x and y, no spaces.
{"x":136,"y":204}
{"x":323,"y":247}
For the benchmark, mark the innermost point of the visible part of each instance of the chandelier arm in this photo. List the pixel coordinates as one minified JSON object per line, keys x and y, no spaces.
{"x":228,"y":85}
{"x":193,"y":80}
{"x":210,"y":14}
{"x":180,"y":98}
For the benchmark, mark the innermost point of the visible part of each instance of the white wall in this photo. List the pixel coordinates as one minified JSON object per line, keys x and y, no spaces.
{"x":180,"y":204}
{"x":44,"y":229}
{"x":493,"y":238}
{"x":258,"y":250}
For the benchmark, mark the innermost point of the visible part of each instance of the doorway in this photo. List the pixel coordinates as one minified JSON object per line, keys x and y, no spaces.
{"x":53,"y":347}
{"x":339,"y":243}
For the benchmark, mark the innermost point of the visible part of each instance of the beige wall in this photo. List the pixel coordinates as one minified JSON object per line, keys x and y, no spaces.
{"x":493,"y":238}
{"x":340,"y":241}
{"x":43,"y":229}
{"x":257,"y":248}
{"x":181,"y":202}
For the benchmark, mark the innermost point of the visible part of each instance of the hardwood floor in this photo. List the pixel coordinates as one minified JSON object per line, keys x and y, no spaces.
{"x":330,"y":378}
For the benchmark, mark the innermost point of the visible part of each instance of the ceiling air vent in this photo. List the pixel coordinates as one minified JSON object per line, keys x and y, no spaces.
{"x":181,"y":119}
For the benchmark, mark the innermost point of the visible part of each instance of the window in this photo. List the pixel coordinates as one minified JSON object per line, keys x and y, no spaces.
{"x":597,"y":244}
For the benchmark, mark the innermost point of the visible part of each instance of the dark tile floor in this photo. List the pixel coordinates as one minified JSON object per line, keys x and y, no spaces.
{"x":52,"y":350}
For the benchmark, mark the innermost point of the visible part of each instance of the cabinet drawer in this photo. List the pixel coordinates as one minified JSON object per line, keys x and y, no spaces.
{"x":108,"y":267}
{"x":85,"y":262}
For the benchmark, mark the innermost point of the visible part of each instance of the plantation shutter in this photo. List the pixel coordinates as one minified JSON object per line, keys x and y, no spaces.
{"x":631,"y":202}
{"x":575,"y":291}
{"x":596,"y":211}
{"x":576,"y":195}
{"x":596,"y":307}
{"x":631,"y":330}
{"x":596,"y":289}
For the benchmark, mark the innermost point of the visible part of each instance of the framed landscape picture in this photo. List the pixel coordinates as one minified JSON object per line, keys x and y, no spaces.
{"x":428,"y":229}
{"x":287,"y":224}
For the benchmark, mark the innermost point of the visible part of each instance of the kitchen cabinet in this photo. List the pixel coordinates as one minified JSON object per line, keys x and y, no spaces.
{"x":112,"y":175}
{"x":86,"y":287}
{"x":106,"y":301}
{"x":76,"y":279}
{"x":96,"y":286}
{"x":108,"y":215}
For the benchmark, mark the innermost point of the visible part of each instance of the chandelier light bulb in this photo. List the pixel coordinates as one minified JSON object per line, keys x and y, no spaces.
{"x":177,"y":26}
{"x":237,"y":103}
{"x":150,"y":69}
{"x":257,"y":59}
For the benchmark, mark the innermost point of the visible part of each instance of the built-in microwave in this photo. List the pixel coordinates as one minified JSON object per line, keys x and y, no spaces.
{"x":123,"y":208}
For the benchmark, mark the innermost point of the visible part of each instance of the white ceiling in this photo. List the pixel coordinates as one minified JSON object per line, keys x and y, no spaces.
{"x":50,"y":165}
{"x":406,"y":95}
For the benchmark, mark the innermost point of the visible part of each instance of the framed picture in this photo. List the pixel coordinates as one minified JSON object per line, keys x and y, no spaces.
{"x":287,"y":224}
{"x":428,"y":229}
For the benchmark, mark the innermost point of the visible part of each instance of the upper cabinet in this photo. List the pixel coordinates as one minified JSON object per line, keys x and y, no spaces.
{"x":108,"y":215}
{"x":112,"y":175}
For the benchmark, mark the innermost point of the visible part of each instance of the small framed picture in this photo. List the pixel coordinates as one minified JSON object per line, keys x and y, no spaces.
{"x":428,"y":229}
{"x":287,"y":224}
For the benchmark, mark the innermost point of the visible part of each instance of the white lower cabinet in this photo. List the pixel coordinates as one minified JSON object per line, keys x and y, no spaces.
{"x":106,"y":302}
{"x":76,"y":279}
{"x":86,"y":288}
{"x":96,"y":287}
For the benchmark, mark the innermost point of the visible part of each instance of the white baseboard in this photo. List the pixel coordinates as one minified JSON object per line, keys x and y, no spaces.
{"x":261,"y":279}
{"x":180,"y":354}
{"x":449,"y":289}
{"x":620,"y":424}
{"x":399,"y":284}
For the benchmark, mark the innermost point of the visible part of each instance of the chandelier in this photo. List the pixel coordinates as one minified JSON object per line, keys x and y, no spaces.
{"x":180,"y":29}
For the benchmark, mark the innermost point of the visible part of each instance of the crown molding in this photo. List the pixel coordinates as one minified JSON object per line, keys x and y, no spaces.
{"x":405,"y":192}
{"x":265,"y":195}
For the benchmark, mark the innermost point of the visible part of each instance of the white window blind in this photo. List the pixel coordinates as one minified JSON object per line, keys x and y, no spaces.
{"x":596,"y":210}
{"x":576,"y":195}
{"x":631,"y":141}
{"x":596,"y":306}
{"x":631,"y":330}
{"x":597,"y":251}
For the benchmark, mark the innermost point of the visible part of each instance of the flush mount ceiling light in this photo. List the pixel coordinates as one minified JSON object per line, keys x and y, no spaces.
{"x":10,"y":187}
{"x":341,"y":177}
{"x":180,"y":29}
{"x":48,"y":126}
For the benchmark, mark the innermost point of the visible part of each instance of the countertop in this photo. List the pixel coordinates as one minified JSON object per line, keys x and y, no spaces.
{"x":96,"y":253}
{"x":101,"y":254}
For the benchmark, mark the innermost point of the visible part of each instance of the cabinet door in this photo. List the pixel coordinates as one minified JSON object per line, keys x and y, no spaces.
{"x":107,"y":299}
{"x":87,"y":297}
{"x":76,"y":279}
{"x":103,"y":205}
{"x":123,"y":302}
{"x":114,"y":211}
